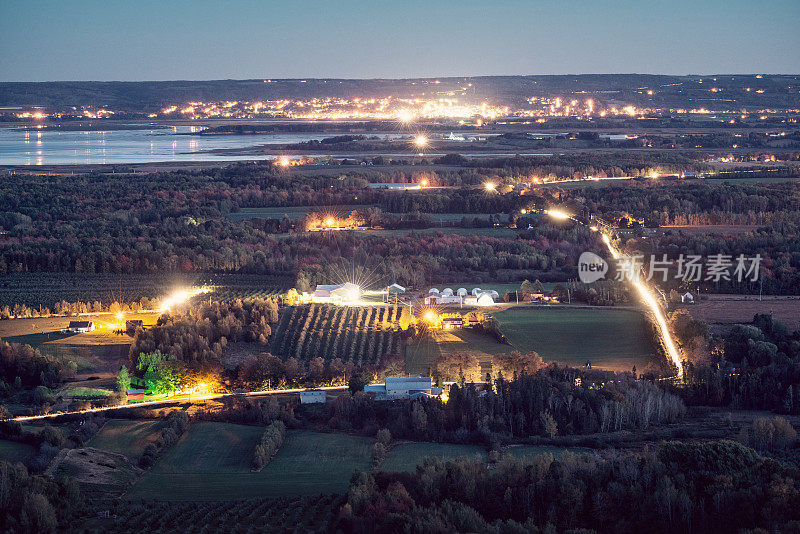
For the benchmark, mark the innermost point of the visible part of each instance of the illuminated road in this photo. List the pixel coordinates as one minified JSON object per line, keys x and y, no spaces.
{"x":172,"y":400}
{"x":645,"y":292}
{"x":652,"y":303}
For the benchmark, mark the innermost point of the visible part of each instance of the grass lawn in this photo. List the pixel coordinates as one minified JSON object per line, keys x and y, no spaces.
{"x":212,"y":462}
{"x":12,"y":451}
{"x":610,"y":339}
{"x":407,"y":456}
{"x":125,"y":436}
{"x":420,"y":354}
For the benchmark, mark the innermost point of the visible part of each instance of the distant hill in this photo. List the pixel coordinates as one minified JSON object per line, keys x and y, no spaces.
{"x":780,"y":91}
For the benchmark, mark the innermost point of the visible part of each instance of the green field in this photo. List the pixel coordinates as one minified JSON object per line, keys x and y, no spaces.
{"x":294,"y":212}
{"x":407,"y":456}
{"x":422,"y":353}
{"x":126,"y":437}
{"x":12,"y":451}
{"x":212,"y":462}
{"x":609,"y":338}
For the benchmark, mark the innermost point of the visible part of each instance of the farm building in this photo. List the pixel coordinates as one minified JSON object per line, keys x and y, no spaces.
{"x":395,"y":187}
{"x":404,"y":388}
{"x":346,"y":293}
{"x":478,"y":297}
{"x":313,"y":396}
{"x":135,"y":394}
{"x":80,"y":326}
{"x":452,"y":322}
{"x":395,"y":288}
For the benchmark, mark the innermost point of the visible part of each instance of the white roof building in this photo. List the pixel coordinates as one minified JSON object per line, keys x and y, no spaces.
{"x":395,"y":288}
{"x":313,"y":397}
{"x":404,"y":388}
{"x":476,"y":291}
{"x":447,"y":291}
{"x":462,"y":292}
{"x":339,"y":294}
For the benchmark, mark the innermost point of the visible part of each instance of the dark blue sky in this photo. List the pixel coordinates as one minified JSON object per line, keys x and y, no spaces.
{"x":167,"y":40}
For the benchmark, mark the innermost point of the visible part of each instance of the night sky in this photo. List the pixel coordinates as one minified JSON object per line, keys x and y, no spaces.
{"x":168,"y":40}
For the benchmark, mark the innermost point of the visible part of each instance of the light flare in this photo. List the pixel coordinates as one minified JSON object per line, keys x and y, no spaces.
{"x":652,"y":303}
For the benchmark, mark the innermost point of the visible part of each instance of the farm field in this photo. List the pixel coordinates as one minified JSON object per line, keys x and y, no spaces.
{"x":294,"y":212}
{"x":37,"y":289}
{"x":358,"y":334}
{"x":304,"y":514}
{"x":212,"y":462}
{"x":13,"y":451}
{"x":407,"y":456}
{"x":421,"y":353}
{"x":610,"y":339}
{"x":742,"y":308}
{"x":96,"y":354}
{"x":125,"y":436}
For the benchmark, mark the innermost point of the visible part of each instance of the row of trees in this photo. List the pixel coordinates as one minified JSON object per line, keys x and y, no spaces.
{"x":546,"y":403}
{"x":718,"y":486}
{"x":176,"y":423}
{"x":271,"y":441}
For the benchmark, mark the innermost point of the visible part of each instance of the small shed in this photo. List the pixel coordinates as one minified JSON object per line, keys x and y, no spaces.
{"x":135,"y":394}
{"x":313,"y":396}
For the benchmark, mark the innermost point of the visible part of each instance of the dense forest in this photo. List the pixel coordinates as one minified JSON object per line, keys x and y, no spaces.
{"x":719,"y":486}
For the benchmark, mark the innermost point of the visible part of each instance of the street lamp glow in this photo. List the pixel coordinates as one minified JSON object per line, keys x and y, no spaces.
{"x":558,"y":214}
{"x":421,"y":141}
{"x":180,"y":296}
{"x":490,"y":186}
{"x":423,"y":182}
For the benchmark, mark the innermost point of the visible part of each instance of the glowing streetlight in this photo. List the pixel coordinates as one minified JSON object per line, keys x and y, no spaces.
{"x":329,"y":222}
{"x":119,"y":315}
{"x":523,"y":211}
{"x":423,"y":182}
{"x":180,"y":296}
{"x":405,"y":116}
{"x":421,"y":141}
{"x":490,"y":186}
{"x":430,"y":316}
{"x":284,"y":161}
{"x":558,"y":214}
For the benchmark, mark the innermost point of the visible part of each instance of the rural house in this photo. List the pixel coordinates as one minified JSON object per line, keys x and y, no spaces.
{"x":80,"y":326}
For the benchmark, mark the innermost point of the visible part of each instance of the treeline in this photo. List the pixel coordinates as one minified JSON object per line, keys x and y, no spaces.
{"x":35,"y":503}
{"x":718,"y":486}
{"x":754,"y":366}
{"x":22,"y":366}
{"x":198,"y":334}
{"x":176,"y":423}
{"x":271,"y":441}
{"x":263,"y":371}
{"x":64,"y":308}
{"x":547,"y":404}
